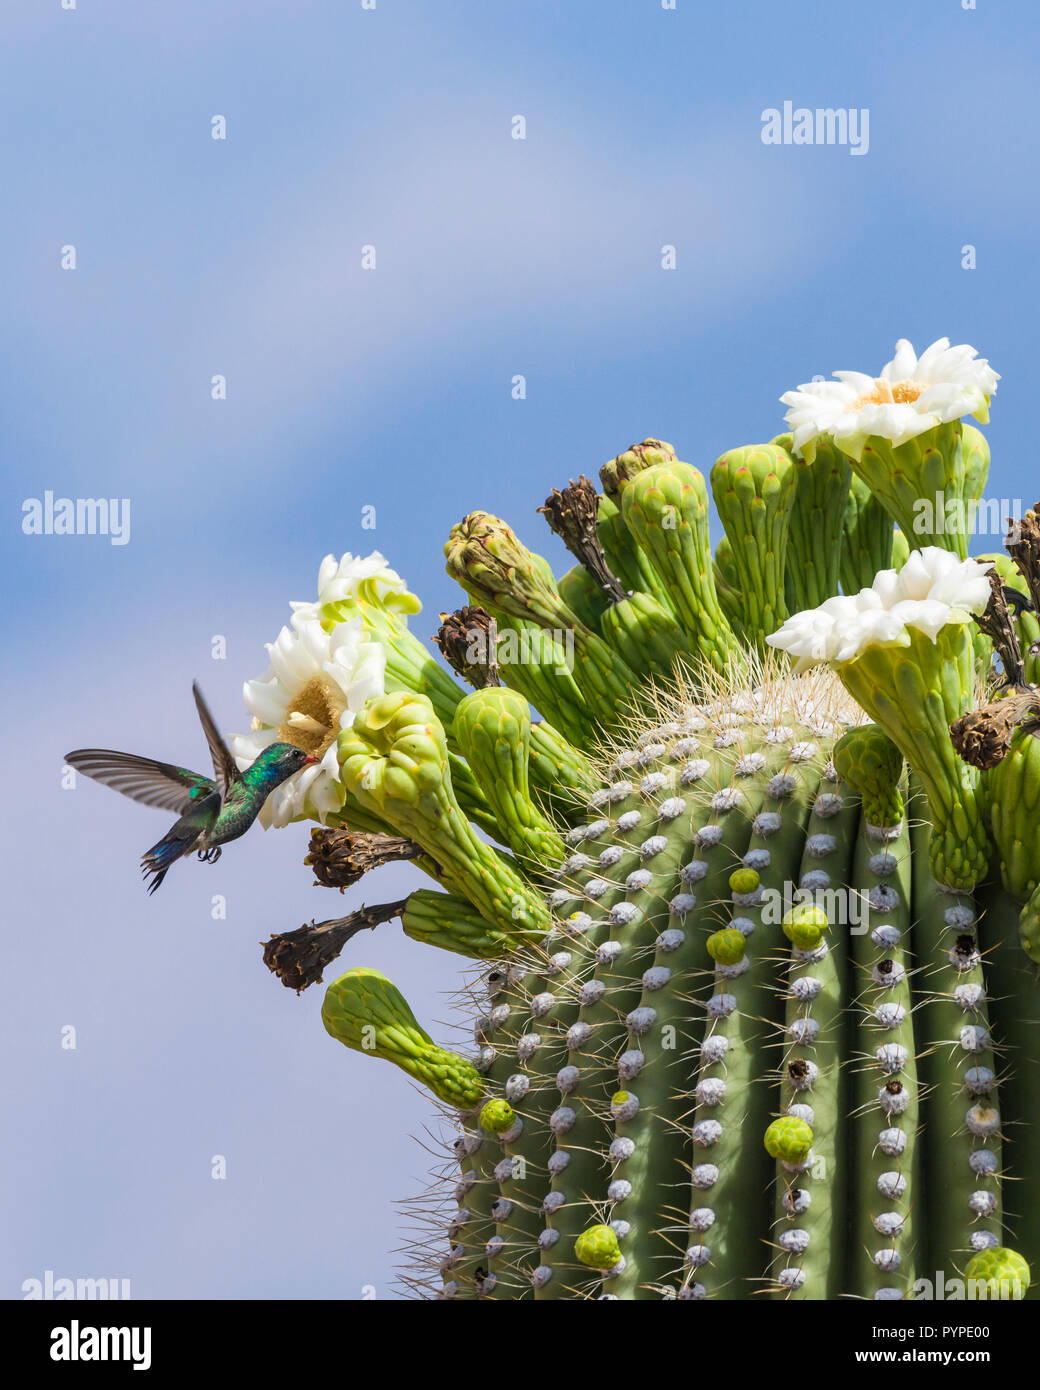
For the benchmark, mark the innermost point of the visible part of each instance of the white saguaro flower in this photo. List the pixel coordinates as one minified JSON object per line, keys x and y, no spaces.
{"x":911,"y":395}
{"x":367,"y":581}
{"x":316,"y":684}
{"x":901,"y":650}
{"x":325,"y":667}
{"x":932,"y":590}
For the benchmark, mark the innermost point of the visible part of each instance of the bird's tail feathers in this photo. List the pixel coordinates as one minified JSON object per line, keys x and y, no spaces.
{"x":156,"y":862}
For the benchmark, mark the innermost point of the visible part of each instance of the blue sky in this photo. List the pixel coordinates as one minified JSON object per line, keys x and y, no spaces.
{"x":388,"y":388}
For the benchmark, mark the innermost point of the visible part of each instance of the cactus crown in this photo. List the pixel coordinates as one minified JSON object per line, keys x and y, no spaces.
{"x":753,"y":1005}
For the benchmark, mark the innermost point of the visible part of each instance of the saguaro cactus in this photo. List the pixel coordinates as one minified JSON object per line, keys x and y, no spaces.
{"x":756,"y":1016}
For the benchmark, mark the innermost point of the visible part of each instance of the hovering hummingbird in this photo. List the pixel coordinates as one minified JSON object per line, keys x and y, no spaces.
{"x":212,"y":812}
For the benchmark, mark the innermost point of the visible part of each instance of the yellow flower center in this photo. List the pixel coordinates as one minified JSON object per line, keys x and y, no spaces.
{"x":886,"y":393}
{"x":312,"y":719}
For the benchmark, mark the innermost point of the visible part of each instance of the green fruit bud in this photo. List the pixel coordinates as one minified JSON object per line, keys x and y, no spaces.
{"x":727,"y":946}
{"x":789,"y":1139}
{"x":497,"y":1117}
{"x":744,"y":881}
{"x":804,"y":926}
{"x":598,"y":1247}
{"x":1004,"y":1271}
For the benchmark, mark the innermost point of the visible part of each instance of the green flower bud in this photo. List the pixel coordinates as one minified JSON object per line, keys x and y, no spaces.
{"x":497,"y":1116}
{"x":367,"y":1012}
{"x":598,"y":1247}
{"x":453,"y":924}
{"x":811,"y":574}
{"x":493,"y":565}
{"x":493,"y":729}
{"x":1004,"y":1272}
{"x":665,"y":509}
{"x":495,"y":568}
{"x":744,"y":881}
{"x":1014,"y":797}
{"x":394,"y":761}
{"x":804,"y":926}
{"x":618,"y":471}
{"x":754,"y":489}
{"x":867,"y":542}
{"x":727,"y":946}
{"x":789,"y":1139}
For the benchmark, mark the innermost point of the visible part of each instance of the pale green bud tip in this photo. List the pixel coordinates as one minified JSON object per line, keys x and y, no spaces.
{"x":869,"y":761}
{"x":806,"y":914}
{"x":497,"y":1116}
{"x":1002,"y":1269}
{"x":789,"y":1139}
{"x":598,"y":1248}
{"x":398,"y":709}
{"x":363,"y":997}
{"x":727,"y":946}
{"x":758,"y":462}
{"x":483,"y":546}
{"x":395,"y":750}
{"x":618,"y":471}
{"x":743,"y":880}
{"x":804,"y":926}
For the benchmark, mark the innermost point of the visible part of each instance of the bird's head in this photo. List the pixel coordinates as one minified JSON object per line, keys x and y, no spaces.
{"x":280,"y":761}
{"x":291,"y":759}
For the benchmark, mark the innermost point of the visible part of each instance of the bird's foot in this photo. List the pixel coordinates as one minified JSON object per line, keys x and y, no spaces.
{"x":211,"y":855}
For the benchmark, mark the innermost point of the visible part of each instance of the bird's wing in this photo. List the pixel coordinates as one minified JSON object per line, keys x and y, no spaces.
{"x":142,"y":779}
{"x":225,"y":769}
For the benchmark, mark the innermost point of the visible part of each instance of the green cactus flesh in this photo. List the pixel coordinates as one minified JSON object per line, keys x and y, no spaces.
{"x":696,"y":1087}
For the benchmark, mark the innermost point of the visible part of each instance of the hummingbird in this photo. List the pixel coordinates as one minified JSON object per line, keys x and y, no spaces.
{"x":212,"y":811}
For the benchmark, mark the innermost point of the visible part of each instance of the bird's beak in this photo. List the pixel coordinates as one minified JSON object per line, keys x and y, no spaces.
{"x":310,"y":758}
